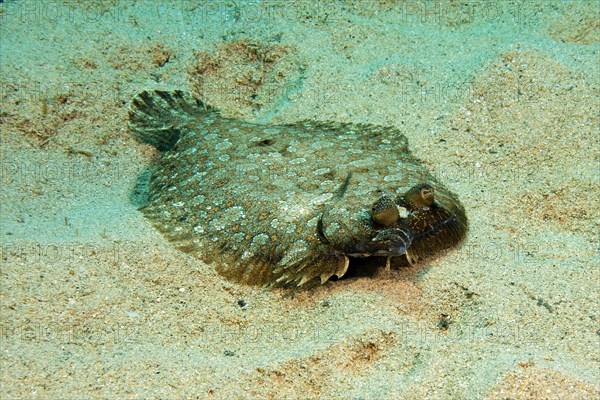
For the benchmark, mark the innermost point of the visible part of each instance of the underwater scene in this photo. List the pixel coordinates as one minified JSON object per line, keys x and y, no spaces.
{"x":328,"y":199}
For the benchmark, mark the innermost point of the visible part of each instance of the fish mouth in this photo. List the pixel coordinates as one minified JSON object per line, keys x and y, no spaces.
{"x":390,"y":242}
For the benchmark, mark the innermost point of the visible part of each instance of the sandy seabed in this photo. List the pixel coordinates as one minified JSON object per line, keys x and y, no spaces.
{"x":499,"y":99}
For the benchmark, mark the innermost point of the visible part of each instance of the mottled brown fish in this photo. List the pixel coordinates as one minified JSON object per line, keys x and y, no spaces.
{"x":284,"y":204}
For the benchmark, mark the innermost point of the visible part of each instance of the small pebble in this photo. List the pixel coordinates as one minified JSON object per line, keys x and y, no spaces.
{"x":444,"y":322}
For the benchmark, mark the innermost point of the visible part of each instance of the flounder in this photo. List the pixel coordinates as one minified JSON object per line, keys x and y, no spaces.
{"x":284,"y":204}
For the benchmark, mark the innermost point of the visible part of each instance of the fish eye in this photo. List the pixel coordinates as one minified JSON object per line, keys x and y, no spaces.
{"x":420,"y":195}
{"x":427,"y":195}
{"x":384,"y":211}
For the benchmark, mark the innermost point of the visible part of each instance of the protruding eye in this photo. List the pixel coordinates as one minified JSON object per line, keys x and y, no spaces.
{"x":384,"y":211}
{"x":419,"y":196}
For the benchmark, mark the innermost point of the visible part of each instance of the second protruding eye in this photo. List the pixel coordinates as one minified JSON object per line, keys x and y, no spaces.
{"x":419,"y":196}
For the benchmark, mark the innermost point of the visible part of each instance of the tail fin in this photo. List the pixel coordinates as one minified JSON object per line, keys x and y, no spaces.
{"x":156,"y":117}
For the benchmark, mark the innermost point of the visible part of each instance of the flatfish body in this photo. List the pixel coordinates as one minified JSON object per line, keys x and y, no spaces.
{"x":284,"y":204}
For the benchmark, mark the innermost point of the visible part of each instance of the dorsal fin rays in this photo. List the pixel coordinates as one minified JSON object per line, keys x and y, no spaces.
{"x":157,"y":117}
{"x":343,"y":266}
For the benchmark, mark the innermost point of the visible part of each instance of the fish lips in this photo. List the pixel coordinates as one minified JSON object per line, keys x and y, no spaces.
{"x":383,"y":243}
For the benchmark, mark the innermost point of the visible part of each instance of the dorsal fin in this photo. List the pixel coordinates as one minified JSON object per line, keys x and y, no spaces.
{"x":157,"y":116}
